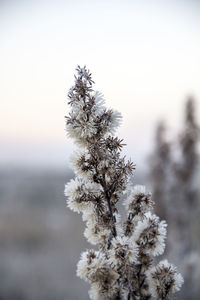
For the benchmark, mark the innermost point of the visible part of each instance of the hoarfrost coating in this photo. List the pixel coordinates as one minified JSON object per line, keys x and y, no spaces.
{"x":164,"y":280}
{"x":123,"y":266}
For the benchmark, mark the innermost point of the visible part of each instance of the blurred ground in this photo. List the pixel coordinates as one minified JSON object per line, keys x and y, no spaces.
{"x":40,"y":240}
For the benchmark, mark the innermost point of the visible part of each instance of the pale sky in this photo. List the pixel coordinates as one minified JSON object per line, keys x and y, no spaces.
{"x":144,"y":56}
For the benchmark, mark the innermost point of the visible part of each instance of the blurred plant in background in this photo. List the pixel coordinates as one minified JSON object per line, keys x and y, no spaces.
{"x":122,"y":267}
{"x":160,"y":162}
{"x":175,"y":178}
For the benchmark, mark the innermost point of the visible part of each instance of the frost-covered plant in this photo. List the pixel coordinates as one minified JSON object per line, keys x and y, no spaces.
{"x":175,"y":182}
{"x":122,"y":267}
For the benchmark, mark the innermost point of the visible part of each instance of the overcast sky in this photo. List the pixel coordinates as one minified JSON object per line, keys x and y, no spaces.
{"x":144,"y":57}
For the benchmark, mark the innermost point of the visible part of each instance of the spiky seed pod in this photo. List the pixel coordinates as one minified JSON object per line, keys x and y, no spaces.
{"x":150,"y":234}
{"x":164,"y":280}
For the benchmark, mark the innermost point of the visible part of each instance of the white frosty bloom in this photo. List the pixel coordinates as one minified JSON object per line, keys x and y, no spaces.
{"x":86,"y":263}
{"x":89,"y":215}
{"x":104,"y":283}
{"x":115,"y":121}
{"x":81,"y":125}
{"x":96,"y":234}
{"x":94,"y":268}
{"x":131,"y":192}
{"x":99,"y":107}
{"x":138,"y":201}
{"x":80,"y":163}
{"x":85,"y":118}
{"x":99,"y":228}
{"x":164,"y":280}
{"x":106,"y":291}
{"x":89,"y":262}
{"x":80,"y":194}
{"x":150,"y":234}
{"x":123,"y":250}
{"x":82,"y":130}
{"x":77,"y":108}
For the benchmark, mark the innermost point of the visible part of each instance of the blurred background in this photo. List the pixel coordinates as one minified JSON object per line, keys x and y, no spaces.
{"x":145,"y":59}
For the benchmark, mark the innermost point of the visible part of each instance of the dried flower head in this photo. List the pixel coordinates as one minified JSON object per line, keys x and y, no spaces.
{"x":164,"y":280}
{"x":123,"y":251}
{"x":150,"y":234}
{"x":94,"y":268}
{"x":81,"y":194}
{"x":138,"y":201}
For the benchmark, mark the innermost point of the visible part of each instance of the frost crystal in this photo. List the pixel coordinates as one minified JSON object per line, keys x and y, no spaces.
{"x":122,"y":268}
